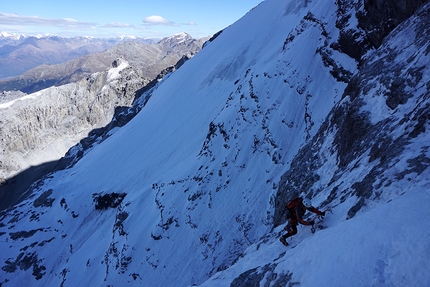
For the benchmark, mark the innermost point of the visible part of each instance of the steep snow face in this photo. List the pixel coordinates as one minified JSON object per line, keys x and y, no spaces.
{"x":187,"y":188}
{"x":369,"y":162}
{"x":199,"y":164}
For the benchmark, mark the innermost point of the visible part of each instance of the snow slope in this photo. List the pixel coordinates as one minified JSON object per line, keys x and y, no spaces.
{"x":199,"y":167}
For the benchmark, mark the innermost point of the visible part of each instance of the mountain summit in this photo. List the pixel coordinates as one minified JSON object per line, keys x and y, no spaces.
{"x":295,"y":98}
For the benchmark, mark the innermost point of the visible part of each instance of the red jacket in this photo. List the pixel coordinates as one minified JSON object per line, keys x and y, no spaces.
{"x":297,"y":209}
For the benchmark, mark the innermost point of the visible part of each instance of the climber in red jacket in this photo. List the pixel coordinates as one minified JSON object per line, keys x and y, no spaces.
{"x":295,"y":210}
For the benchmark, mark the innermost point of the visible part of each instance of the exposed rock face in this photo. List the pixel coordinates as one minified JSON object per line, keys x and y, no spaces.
{"x":361,"y":131}
{"x":381,"y":17}
{"x":376,"y":19}
{"x":42,"y":126}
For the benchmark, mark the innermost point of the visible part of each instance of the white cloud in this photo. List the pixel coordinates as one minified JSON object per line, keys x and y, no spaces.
{"x":118,"y":25}
{"x":14,"y":19}
{"x":155,"y":20}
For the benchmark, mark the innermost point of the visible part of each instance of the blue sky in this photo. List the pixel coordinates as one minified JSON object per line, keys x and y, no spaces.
{"x":102,"y":18}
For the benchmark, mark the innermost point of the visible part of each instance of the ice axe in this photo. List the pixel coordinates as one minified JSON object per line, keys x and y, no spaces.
{"x":320,"y":216}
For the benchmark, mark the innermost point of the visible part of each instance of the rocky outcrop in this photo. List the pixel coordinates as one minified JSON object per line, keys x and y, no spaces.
{"x":380,"y":17}
{"x":375,"y":18}
{"x":42,"y":126}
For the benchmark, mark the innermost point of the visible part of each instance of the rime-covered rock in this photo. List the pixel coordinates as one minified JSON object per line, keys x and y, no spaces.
{"x":42,"y":126}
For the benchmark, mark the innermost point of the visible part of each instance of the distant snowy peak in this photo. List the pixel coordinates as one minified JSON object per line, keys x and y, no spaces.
{"x":126,"y":37}
{"x":178,"y":38}
{"x":6,"y":35}
{"x":14,"y":36}
{"x":182,"y":35}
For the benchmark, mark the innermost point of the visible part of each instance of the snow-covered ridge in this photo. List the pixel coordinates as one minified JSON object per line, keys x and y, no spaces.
{"x":10,"y":103}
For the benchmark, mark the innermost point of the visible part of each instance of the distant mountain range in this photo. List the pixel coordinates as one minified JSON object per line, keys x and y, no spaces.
{"x":64,"y":60}
{"x":20,"y":53}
